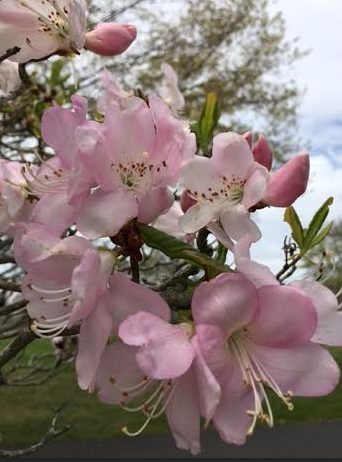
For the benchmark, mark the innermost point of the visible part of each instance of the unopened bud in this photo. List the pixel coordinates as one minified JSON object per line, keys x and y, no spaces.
{"x":109,"y":39}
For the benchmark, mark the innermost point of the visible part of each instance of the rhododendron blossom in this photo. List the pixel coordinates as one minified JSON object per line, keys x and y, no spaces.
{"x":66,"y":278}
{"x":41,"y":28}
{"x":255,"y":339}
{"x":158,"y":368}
{"x":224,"y":187}
{"x":135,"y":155}
{"x":127,"y":229}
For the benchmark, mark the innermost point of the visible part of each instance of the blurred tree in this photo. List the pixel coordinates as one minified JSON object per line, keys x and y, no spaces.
{"x":236,"y":48}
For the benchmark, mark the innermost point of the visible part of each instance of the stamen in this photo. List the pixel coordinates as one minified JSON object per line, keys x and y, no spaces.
{"x":256,"y":376}
{"x":50,"y":291}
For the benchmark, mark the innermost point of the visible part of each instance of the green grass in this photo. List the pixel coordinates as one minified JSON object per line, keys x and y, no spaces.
{"x":26,"y":411}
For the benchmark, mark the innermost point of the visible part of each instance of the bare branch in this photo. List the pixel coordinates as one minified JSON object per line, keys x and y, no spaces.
{"x":53,"y":432}
{"x":11,"y":52}
{"x":12,"y":286}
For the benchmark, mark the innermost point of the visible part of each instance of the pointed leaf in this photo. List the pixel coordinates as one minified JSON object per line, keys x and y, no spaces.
{"x":322,"y":235}
{"x":291,"y":217}
{"x":177,"y":249}
{"x":317,"y":223}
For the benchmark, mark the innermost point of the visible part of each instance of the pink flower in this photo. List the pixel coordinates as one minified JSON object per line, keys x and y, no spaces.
{"x":157,"y":368}
{"x":325,"y":302}
{"x":125,"y":298}
{"x":225,"y":187}
{"x":14,"y":206}
{"x":66,"y":278}
{"x":169,"y":90}
{"x":9,"y":77}
{"x":135,"y":156}
{"x":109,"y":39}
{"x":61,"y":183}
{"x":258,"y":338}
{"x":41,"y":29}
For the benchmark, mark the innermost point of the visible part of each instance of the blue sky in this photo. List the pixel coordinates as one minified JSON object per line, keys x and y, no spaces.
{"x":318,"y":25}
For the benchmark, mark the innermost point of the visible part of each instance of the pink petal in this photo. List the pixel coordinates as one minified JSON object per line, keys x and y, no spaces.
{"x":104,"y":214}
{"x":307,"y":370}
{"x":165,"y":352}
{"x":329,"y":325}
{"x":59,"y":129}
{"x":229,"y":301}
{"x":199,"y":175}
{"x":209,"y":390}
{"x":199,"y":216}
{"x":259,"y":275}
{"x":129,"y":298}
{"x":87,"y":285}
{"x":256,"y":185}
{"x":212,"y":341}
{"x":286,"y":317}
{"x":183,"y":414}
{"x":232,"y":155}
{"x":231,"y":419}
{"x":156,"y":202}
{"x":117,"y":372}
{"x":289,"y":182}
{"x":237,"y":224}
{"x":54,"y":212}
{"x":262,"y":153}
{"x":94,"y":333}
{"x":130,"y":131}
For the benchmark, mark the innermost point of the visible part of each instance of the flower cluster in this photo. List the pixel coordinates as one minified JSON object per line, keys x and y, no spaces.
{"x":246,"y":335}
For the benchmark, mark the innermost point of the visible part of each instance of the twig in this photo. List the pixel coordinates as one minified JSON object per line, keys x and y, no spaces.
{"x":24,"y":339}
{"x":6,"y":259}
{"x":52,"y":433}
{"x":11,"y":52}
{"x":18,"y":344}
{"x":12,"y":286}
{"x":135,"y":270}
{"x":13,"y":307}
{"x":284,"y":273}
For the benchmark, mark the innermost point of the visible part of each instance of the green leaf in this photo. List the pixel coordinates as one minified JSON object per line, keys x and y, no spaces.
{"x":291,"y":217}
{"x":56,"y":70}
{"x":317,"y":223}
{"x":177,"y":249}
{"x":208,"y":121}
{"x":322,"y":235}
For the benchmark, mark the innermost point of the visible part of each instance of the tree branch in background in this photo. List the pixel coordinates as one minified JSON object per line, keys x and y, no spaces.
{"x":53,"y":432}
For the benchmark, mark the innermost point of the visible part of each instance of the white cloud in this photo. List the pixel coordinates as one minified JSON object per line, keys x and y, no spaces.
{"x":318,"y":25}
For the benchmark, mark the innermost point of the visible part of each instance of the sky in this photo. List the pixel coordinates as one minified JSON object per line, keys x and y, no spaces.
{"x":317,"y":23}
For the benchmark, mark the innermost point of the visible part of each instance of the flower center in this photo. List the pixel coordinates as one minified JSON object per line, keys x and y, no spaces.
{"x":230,"y":190}
{"x":136,"y":176}
{"x":55,"y":19}
{"x":256,"y":376}
{"x":52,"y":327}
{"x":50,"y":183}
{"x":159,"y":394}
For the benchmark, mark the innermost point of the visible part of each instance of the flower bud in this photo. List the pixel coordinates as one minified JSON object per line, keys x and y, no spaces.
{"x":262,"y":153}
{"x":289,"y":182}
{"x":109,"y":39}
